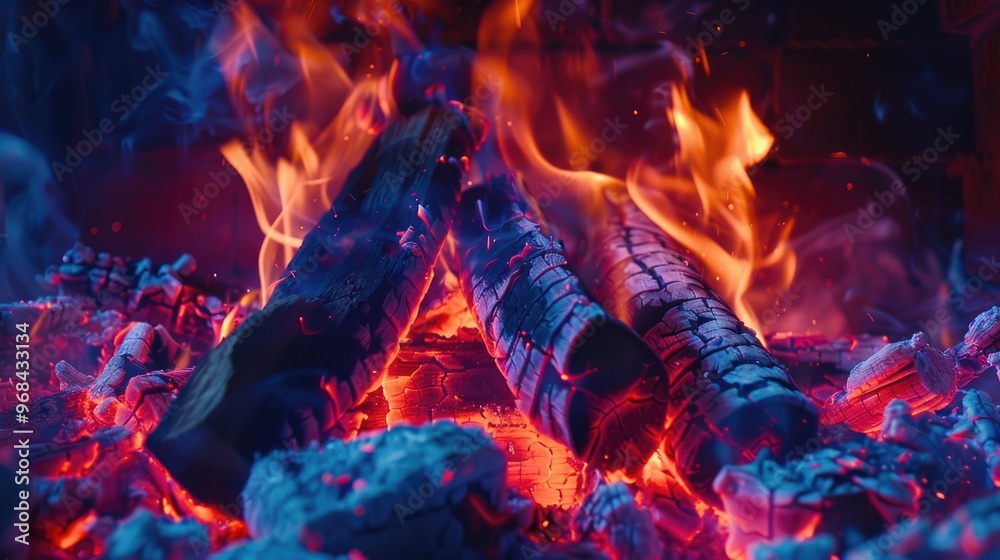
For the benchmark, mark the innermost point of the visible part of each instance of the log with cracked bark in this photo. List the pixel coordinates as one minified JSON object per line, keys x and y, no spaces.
{"x":728,"y":397}
{"x":290,"y":373}
{"x":579,"y":374}
{"x":911,"y":370}
{"x":979,"y":350}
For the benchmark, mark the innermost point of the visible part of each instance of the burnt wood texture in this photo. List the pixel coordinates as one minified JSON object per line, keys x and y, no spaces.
{"x":288,"y":374}
{"x":728,"y":397}
{"x":582,"y":376}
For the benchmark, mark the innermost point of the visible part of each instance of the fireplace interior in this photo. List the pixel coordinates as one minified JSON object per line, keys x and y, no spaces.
{"x":500,"y":279}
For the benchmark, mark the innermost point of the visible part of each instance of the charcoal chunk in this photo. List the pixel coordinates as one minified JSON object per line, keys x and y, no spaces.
{"x":434,"y":491}
{"x":145,"y":536}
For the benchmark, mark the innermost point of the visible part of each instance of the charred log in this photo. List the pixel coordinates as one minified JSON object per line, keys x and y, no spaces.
{"x":675,"y":510}
{"x":728,"y":397}
{"x":611,"y":518}
{"x":138,"y":349}
{"x":289,"y":373}
{"x":979,"y":350}
{"x":911,"y":370}
{"x":359,"y":495}
{"x":580,"y":375}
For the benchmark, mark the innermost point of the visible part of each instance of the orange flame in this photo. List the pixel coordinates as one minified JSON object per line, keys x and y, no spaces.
{"x":236,"y":315}
{"x":541,"y":121}
{"x":290,"y":191}
{"x":77,"y":530}
{"x":708,"y":205}
{"x":546,"y":128}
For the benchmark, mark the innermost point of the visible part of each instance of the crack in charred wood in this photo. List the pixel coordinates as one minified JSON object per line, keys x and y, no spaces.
{"x":580,"y":375}
{"x":728,"y":397}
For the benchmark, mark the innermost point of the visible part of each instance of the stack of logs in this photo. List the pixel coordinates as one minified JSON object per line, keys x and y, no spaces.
{"x":625,"y":367}
{"x":662,"y":360}
{"x":632,"y":352}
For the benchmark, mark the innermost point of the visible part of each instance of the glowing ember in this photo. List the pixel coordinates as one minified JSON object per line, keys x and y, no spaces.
{"x":582,"y":374}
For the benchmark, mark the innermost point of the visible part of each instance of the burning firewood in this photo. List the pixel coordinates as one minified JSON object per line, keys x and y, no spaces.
{"x":87,"y":457}
{"x":911,"y":370}
{"x":674,"y":509}
{"x":139,"y":348}
{"x":289,"y":373}
{"x":454,"y":379}
{"x":820,"y":365}
{"x":579,"y":374}
{"x":74,"y":402}
{"x":728,"y":397}
{"x":172,"y":295}
{"x":147,"y":399}
{"x":838,"y":355}
{"x":68,"y":328}
{"x":980,"y":349}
